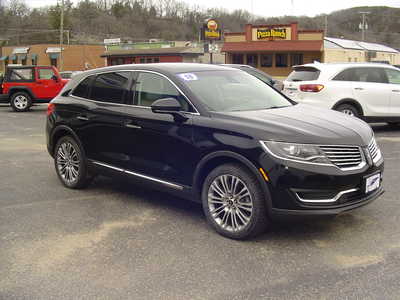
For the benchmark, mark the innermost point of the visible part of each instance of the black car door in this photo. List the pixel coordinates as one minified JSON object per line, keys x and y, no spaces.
{"x":100,"y":121}
{"x":158,"y":145}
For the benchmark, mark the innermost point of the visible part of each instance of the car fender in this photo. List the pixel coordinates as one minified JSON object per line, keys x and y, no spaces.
{"x":59,"y":129}
{"x":230,"y":156}
{"x":21,"y":88}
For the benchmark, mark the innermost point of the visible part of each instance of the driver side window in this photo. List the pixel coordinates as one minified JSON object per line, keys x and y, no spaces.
{"x":45,"y":73}
{"x":150,"y":87}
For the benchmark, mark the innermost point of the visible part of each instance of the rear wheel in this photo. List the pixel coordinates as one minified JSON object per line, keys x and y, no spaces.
{"x":234,"y":202}
{"x":349,"y":110}
{"x":70,"y":163}
{"x":21,"y":101}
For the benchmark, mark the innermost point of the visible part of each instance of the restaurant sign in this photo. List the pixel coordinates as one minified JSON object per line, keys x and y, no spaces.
{"x":271,"y":33}
{"x":211,"y":30}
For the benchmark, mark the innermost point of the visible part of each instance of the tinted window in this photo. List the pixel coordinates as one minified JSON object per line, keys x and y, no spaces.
{"x":281,"y":60}
{"x":376,"y":75}
{"x":296,"y":59}
{"x":82,"y":89}
{"x":151,"y":87}
{"x":252,"y":60}
{"x":266,"y":60}
{"x":258,"y":74}
{"x":304,"y":74}
{"x":232,"y":91}
{"x":110,"y":87}
{"x":21,"y":75}
{"x":393,"y":76}
{"x":45,"y":73}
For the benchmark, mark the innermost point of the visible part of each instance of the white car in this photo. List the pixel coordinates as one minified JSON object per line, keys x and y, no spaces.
{"x":370,"y":91}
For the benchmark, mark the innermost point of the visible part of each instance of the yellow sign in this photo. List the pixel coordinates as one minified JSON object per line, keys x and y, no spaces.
{"x":271,"y":33}
{"x":212,"y":34}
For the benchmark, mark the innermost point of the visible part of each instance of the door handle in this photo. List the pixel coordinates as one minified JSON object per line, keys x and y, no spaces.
{"x":359,"y":88}
{"x":82,"y":118}
{"x":129,"y":124}
{"x":396,"y":91}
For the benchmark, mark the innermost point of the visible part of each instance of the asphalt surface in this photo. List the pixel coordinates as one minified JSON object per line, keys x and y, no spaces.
{"x":115,"y":240}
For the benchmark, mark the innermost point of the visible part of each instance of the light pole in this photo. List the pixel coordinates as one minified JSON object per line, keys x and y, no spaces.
{"x":363,"y":25}
{"x":61,"y":34}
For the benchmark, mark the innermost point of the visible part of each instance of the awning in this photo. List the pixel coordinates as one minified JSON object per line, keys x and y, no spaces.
{"x":54,"y":55}
{"x":272,"y":46}
{"x":13,"y":57}
{"x":4,"y":57}
{"x":22,"y":56}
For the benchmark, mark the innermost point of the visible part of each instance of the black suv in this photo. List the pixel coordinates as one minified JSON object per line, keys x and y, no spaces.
{"x":216,"y":135}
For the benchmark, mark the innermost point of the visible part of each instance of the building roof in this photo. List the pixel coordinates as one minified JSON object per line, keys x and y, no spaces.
{"x":154,"y":51}
{"x":357,"y":45}
{"x":272,"y":46}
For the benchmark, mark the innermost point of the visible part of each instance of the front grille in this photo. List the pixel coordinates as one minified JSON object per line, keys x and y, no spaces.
{"x":374,"y":150}
{"x":343,"y":156}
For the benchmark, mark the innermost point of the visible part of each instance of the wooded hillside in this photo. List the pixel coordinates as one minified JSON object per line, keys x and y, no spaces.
{"x":90,"y":21}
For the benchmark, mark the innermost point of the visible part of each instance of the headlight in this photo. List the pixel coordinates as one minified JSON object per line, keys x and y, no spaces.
{"x":298,"y":152}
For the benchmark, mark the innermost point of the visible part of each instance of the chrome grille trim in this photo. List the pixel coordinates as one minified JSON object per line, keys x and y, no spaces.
{"x":331,"y":200}
{"x":374,"y":150}
{"x":344,"y":157}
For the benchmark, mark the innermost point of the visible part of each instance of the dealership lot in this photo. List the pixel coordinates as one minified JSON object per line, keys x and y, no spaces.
{"x":116,"y":240}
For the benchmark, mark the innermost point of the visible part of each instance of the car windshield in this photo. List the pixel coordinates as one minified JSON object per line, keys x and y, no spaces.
{"x":232,"y":90}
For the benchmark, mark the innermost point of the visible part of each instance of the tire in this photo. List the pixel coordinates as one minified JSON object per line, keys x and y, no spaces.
{"x":349,"y":110}
{"x":21,"y":101}
{"x":71,"y":164}
{"x":237,"y":217}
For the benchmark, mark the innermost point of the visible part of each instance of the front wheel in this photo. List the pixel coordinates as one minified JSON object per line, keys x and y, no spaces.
{"x":234,"y":202}
{"x":70,"y":163}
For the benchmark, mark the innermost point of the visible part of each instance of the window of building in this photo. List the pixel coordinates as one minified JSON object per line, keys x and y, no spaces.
{"x":21,"y":74}
{"x":252,"y":60}
{"x":82,"y":90}
{"x":151,"y":87}
{"x":237,"y":59}
{"x":281,"y":60}
{"x":53,"y":62}
{"x":149,"y":60}
{"x":117,"y":61}
{"x":266,"y":60}
{"x":23,"y":61}
{"x":142,"y":60}
{"x":296,"y":59}
{"x":110,"y":87}
{"x":45,"y":73}
{"x":15,"y":60}
{"x":156,"y":59}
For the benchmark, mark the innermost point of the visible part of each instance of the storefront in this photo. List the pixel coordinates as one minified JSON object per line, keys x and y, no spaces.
{"x":75,"y":57}
{"x":155,"y":55}
{"x":274,"y":48}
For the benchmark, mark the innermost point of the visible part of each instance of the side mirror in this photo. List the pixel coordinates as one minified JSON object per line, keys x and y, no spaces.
{"x":55,"y":78}
{"x":168,"y":106}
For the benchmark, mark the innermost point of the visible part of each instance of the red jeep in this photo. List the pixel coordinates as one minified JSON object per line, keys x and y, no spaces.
{"x":25,"y":85}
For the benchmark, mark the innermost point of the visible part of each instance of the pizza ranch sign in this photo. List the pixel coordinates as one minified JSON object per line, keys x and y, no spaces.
{"x":271,"y":33}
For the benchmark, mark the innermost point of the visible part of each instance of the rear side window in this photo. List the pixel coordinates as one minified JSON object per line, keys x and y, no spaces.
{"x":393,"y":76}
{"x":82,"y":90}
{"x":21,"y":75}
{"x":304,"y":74}
{"x":376,"y":75}
{"x":110,"y":87}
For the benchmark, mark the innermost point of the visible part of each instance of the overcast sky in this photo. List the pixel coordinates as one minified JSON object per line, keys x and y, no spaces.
{"x":272,"y":7}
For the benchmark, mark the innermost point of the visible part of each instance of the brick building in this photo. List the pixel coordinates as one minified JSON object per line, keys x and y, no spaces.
{"x":75,"y":57}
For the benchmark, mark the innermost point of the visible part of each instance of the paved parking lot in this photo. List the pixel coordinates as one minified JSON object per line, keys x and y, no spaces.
{"x":116,"y":240}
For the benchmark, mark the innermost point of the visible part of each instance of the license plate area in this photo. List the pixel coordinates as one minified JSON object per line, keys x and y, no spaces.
{"x":372,"y":182}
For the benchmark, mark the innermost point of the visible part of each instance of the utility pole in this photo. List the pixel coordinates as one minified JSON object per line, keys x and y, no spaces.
{"x":363,"y":25}
{"x":61,"y":34}
{"x":326,"y":25}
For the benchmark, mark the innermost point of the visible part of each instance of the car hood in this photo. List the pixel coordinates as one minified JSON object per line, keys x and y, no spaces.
{"x":301,"y":124}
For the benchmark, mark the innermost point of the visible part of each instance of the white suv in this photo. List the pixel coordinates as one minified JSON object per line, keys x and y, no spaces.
{"x":369,"y":91}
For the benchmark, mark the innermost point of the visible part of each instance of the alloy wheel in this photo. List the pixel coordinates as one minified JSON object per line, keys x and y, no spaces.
{"x":230,"y":203}
{"x":68,"y":162}
{"x":21,"y":102}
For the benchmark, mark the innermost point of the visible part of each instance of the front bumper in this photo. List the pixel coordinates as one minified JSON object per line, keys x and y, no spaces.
{"x":297,"y":189}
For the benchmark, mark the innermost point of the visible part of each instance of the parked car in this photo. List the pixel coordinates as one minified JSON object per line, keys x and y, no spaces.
{"x":264,"y":77}
{"x":214,"y":135}
{"x":369,"y":91}
{"x":68,"y":74}
{"x":24,"y":86}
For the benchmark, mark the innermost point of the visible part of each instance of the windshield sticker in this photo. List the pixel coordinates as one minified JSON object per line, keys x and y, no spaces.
{"x":188,"y":76}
